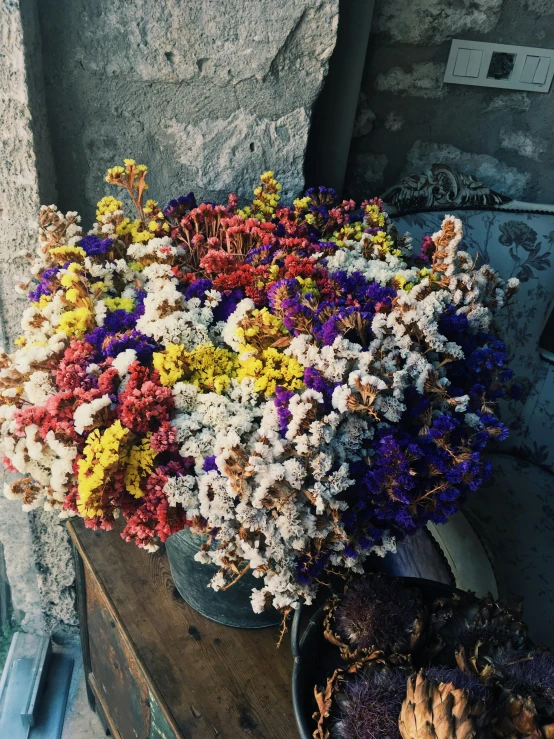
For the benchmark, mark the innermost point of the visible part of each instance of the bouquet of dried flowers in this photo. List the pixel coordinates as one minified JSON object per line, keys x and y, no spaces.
{"x":291,"y":381}
{"x":457,"y":667}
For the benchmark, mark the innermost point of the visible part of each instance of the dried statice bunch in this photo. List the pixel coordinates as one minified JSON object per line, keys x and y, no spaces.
{"x":290,"y":380}
{"x":379,"y":612}
{"x":369,"y":705}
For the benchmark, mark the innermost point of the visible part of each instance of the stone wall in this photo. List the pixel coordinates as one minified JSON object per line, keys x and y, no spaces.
{"x":408,"y":119}
{"x":208,"y":94}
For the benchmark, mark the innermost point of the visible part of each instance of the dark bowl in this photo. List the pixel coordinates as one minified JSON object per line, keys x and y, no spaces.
{"x":315,"y":658}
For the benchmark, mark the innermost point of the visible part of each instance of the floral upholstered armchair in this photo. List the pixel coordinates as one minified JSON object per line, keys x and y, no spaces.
{"x":514,"y":515}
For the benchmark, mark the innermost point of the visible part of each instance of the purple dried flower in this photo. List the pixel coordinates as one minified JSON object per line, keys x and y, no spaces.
{"x":369,"y":706}
{"x":530,"y":673}
{"x":44,"y":287}
{"x":198,"y":289}
{"x":94,"y":246}
{"x":209,"y":464}
{"x":459,"y":679}
{"x":281,"y":401}
{"x":428,"y":248}
{"x":178,"y":207}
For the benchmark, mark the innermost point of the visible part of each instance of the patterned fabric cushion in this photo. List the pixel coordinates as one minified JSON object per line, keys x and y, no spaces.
{"x":514,"y":517}
{"x":516,"y":245}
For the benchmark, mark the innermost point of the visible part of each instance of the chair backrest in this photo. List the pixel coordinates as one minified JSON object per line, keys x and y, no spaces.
{"x":515,"y":238}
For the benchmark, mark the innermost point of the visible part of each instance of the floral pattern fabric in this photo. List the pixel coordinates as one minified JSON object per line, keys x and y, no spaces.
{"x":514,"y":516}
{"x":516,"y":245}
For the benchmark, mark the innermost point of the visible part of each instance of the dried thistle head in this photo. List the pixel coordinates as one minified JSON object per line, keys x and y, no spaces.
{"x":380,"y":612}
{"x":516,"y":717}
{"x":369,"y":704}
{"x":461,"y":680}
{"x":531,"y":673}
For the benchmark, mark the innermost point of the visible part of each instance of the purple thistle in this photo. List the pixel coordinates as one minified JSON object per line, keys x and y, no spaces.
{"x":530,"y":673}
{"x":370,"y":705}
{"x":460,"y":680}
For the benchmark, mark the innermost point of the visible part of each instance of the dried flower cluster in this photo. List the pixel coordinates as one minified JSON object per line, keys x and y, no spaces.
{"x":466,"y":671}
{"x":291,"y":381}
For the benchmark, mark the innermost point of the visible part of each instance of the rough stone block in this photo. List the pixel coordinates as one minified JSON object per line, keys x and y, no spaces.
{"x":207,"y":94}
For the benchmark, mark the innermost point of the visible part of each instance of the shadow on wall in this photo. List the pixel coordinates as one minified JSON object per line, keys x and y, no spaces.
{"x":407,"y":118}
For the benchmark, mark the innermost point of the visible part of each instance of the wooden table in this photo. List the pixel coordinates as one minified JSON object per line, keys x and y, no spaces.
{"x":156,"y":669}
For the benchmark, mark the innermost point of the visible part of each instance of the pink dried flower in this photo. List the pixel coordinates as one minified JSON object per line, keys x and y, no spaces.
{"x":164,"y":439}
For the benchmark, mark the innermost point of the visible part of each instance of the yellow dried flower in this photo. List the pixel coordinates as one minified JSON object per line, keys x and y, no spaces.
{"x":170,"y":363}
{"x":271,"y":368}
{"x":127,"y":304}
{"x":139,"y":464}
{"x":102,"y":454}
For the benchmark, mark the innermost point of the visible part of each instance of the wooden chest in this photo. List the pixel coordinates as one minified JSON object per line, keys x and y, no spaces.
{"x":156,"y":669}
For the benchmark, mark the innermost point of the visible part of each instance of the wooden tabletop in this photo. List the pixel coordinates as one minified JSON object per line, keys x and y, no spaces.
{"x":217,"y":681}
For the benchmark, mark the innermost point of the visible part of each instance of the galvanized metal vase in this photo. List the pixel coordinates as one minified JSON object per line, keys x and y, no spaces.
{"x":230,"y":607}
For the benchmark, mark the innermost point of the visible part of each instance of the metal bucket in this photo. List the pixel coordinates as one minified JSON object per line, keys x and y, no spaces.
{"x":230,"y":607}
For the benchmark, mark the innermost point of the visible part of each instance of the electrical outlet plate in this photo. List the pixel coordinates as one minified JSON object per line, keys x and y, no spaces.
{"x":500,"y":65}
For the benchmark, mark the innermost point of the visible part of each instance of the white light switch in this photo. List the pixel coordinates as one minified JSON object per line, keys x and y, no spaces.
{"x":529,"y":69}
{"x":475,"y":59}
{"x":462,"y":60}
{"x":500,"y":65}
{"x":542,"y":71}
{"x":468,"y":63}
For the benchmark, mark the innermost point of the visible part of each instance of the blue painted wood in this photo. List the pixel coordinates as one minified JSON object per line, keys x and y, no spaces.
{"x":159,"y":726}
{"x":51,"y":711}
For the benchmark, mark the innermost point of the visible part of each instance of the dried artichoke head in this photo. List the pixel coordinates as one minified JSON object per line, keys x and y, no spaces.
{"x":377,"y":613}
{"x":434,"y":709}
{"x":470,"y":632}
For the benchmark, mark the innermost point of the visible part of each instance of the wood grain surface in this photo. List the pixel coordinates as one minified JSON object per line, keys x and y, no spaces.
{"x":215,"y":680}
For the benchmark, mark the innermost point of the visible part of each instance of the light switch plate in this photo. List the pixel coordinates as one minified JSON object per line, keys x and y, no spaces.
{"x":502,"y":66}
